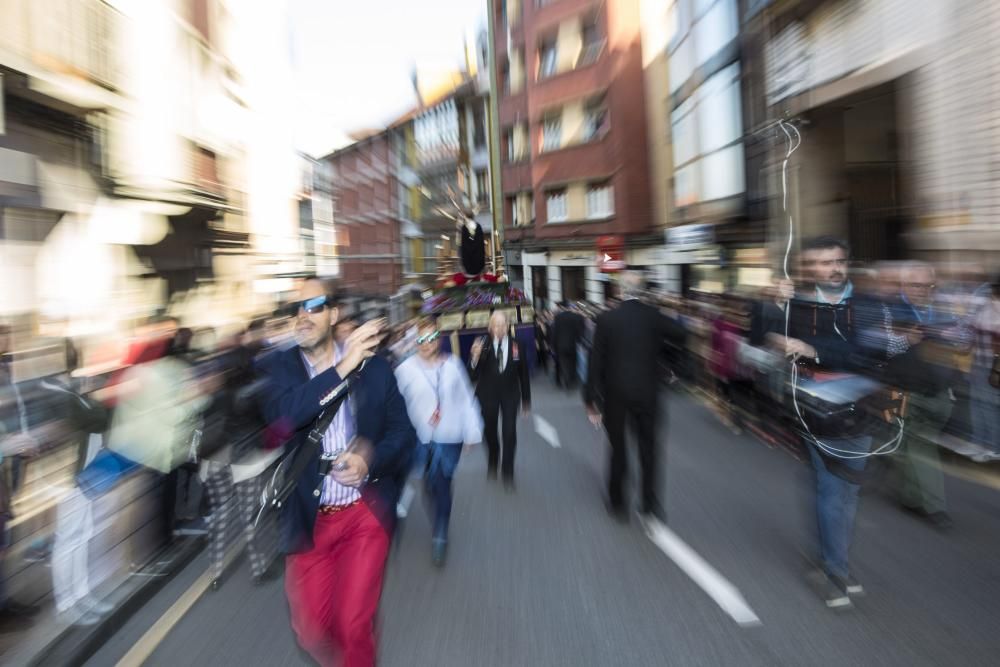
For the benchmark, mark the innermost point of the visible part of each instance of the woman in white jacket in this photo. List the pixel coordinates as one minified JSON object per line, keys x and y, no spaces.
{"x":445,"y":414}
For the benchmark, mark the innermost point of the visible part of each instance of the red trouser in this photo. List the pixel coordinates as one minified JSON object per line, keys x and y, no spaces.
{"x":333,"y":589}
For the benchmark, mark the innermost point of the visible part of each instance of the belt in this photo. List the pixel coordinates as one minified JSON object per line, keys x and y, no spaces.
{"x":333,"y":509}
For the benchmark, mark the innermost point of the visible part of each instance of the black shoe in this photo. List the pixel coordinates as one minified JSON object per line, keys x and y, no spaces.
{"x":508,"y":485}
{"x":491,"y":474}
{"x":439,"y":552}
{"x":835,"y":593}
{"x":268,"y":575}
{"x":15,"y":608}
{"x":618,"y":512}
{"x":940,"y":520}
{"x":12,"y":623}
{"x":654,"y":511}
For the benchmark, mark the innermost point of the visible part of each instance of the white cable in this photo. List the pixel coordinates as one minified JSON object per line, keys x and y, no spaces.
{"x":888,"y":447}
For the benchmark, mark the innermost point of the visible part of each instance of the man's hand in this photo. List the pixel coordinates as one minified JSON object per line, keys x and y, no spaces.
{"x":360,"y":345}
{"x":525,"y":409}
{"x":914,"y":335}
{"x":594,"y":416}
{"x":797,"y":348}
{"x":477,"y":350}
{"x":350,"y":469}
{"x":786,"y":290}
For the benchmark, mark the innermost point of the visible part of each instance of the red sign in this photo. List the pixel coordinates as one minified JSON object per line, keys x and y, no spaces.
{"x":610,"y":253}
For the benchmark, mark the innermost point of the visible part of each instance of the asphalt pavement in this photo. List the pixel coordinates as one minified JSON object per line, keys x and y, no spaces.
{"x":544,"y":577}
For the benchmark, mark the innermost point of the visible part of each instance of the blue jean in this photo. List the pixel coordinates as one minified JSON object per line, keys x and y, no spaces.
{"x":837,"y":504}
{"x":438,"y":461}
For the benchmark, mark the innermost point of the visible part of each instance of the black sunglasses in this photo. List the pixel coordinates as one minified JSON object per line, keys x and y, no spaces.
{"x":312,"y":306}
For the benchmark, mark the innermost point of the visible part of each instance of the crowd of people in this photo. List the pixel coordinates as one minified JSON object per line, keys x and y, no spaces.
{"x":846,"y":367}
{"x":865,"y":372}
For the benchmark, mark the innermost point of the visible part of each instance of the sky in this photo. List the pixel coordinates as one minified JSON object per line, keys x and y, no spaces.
{"x":353,"y":60}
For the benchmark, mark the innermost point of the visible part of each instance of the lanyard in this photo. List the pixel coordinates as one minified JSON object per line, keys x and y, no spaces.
{"x":435,"y":383}
{"x":916,"y":313}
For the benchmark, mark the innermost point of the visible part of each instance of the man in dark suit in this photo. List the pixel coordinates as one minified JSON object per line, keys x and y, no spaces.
{"x":623,"y":382}
{"x":499,"y":368}
{"x":336,"y":524}
{"x":567,"y":331}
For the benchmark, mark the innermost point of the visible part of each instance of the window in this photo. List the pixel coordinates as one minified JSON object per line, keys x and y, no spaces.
{"x":547,"y":59}
{"x":715,"y":30}
{"x":593,"y":44}
{"x":600,"y":201}
{"x":522,"y":209}
{"x":478,"y":126}
{"x":510,"y":204}
{"x":595,"y":119}
{"x":514,"y":143}
{"x":555,"y":206}
{"x":552,"y":133}
{"x":482,"y":187}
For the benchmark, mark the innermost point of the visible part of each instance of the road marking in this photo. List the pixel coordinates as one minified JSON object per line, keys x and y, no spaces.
{"x":546,"y":431}
{"x":140,"y":652}
{"x":727,"y":596}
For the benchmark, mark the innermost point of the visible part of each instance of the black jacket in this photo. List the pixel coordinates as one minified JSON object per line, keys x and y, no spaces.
{"x":830,"y":329}
{"x":628,"y":343}
{"x":491,"y":385}
{"x":292,"y":402}
{"x":567,"y":330}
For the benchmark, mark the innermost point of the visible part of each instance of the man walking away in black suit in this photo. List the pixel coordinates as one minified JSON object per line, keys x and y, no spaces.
{"x":568,"y":329}
{"x":623,"y":384}
{"x":499,"y":368}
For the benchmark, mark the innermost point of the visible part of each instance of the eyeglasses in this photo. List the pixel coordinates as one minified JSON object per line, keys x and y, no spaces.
{"x":927,"y":286}
{"x":428,"y":338}
{"x":312,"y":306}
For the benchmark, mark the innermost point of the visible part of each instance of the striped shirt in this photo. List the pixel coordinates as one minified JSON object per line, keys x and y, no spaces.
{"x":336,"y":439}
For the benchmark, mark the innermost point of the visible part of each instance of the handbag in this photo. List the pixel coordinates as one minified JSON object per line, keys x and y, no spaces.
{"x":103,"y":473}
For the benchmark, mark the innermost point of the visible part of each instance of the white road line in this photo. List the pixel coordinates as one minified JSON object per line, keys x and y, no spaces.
{"x":707,"y":577}
{"x":546,"y":431}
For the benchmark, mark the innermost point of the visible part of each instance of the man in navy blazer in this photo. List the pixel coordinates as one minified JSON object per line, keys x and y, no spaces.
{"x":336,"y":526}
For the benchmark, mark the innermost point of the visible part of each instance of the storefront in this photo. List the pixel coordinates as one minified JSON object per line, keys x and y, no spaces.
{"x":717,"y":258}
{"x":562,"y":275}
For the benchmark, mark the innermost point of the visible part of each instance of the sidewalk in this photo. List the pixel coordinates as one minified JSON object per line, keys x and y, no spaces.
{"x":54,"y":642}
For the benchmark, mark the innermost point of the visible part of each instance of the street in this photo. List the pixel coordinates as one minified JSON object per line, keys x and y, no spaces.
{"x":545,"y":577}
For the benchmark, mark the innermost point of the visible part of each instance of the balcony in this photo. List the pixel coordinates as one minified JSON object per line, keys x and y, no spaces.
{"x":66,"y":47}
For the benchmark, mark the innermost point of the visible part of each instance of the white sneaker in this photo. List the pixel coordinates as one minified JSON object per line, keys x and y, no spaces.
{"x":96,"y":606}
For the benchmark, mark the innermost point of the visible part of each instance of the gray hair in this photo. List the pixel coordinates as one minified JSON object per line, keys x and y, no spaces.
{"x":912,"y":266}
{"x":502,"y":315}
{"x":632,"y":284}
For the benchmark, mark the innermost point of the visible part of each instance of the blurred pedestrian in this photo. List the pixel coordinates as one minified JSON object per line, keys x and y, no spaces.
{"x":567,"y":331}
{"x":15,"y":440}
{"x":336,"y":526}
{"x":927,"y":376}
{"x":158,"y":405}
{"x":500,"y":372}
{"x":822,"y":336}
{"x":445,"y":414}
{"x":985,"y":373}
{"x":623,"y":385}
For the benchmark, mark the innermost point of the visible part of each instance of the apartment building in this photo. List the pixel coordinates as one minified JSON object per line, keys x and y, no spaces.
{"x":573,"y":144}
